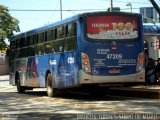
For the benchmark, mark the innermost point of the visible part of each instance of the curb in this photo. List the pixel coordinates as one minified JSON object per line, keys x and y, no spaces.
{"x":4,"y":78}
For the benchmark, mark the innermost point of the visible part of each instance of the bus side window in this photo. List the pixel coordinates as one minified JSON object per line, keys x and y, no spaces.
{"x":70,"y":40}
{"x":25,"y":52}
{"x":66,"y":31}
{"x":28,"y":41}
{"x":31,"y":51}
{"x":35,"y":39}
{"x":60,"y":32}
{"x":49,"y":48}
{"x":41,"y":37}
{"x":53,"y":37}
{"x":58,"y":45}
{"x":40,"y":49}
{"x":18,"y":43}
{"x":18,"y":53}
{"x":23,"y":42}
{"x":49,"y":35}
{"x":13,"y":44}
{"x":31,"y":40}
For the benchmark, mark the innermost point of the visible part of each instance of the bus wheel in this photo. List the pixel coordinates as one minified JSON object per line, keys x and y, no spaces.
{"x":20,"y":89}
{"x":50,"y":90}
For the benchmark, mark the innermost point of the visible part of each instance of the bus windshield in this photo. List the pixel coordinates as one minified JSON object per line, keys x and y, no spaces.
{"x":114,"y":27}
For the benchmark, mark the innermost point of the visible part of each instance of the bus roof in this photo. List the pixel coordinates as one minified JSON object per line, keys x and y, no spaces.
{"x":40,"y":29}
{"x":151,"y":29}
{"x":49,"y":26}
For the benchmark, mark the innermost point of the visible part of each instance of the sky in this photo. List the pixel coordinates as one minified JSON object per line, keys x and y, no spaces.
{"x":33,"y":19}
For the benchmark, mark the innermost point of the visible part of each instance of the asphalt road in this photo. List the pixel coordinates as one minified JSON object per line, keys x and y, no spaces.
{"x":35,"y":105}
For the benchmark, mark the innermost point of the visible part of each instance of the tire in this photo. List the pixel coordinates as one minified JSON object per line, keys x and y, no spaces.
{"x":51,"y":92}
{"x":20,"y":89}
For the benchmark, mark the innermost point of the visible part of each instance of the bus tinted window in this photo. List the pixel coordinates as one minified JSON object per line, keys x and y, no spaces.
{"x":35,"y":39}
{"x":18,"y":43}
{"x":70,"y":44}
{"x":31,"y":51}
{"x":112,"y":27}
{"x":49,"y":48}
{"x":13,"y":44}
{"x":49,"y":35}
{"x":60,"y":32}
{"x":40,"y":37}
{"x":70,"y":30}
{"x":18,"y":53}
{"x":28,"y":40}
{"x":58,"y":45}
{"x":40,"y":49}
{"x":24,"y":52}
{"x":31,"y":40}
{"x":70,"y":37}
{"x":24,"y":42}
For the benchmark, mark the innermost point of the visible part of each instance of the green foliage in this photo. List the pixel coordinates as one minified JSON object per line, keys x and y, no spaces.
{"x":8,"y":25}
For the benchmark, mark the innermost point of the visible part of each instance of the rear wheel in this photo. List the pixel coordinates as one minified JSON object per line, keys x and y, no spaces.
{"x":20,"y":89}
{"x":50,"y":90}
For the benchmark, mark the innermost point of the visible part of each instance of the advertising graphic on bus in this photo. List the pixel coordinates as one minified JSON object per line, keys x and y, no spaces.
{"x":112,"y":27}
{"x":86,"y":49}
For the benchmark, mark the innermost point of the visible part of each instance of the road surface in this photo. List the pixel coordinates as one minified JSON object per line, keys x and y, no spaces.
{"x":35,"y":105}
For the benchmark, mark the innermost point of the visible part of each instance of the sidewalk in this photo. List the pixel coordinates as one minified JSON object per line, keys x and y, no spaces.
{"x":4,"y":77}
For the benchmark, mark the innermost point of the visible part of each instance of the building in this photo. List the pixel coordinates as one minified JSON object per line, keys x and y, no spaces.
{"x":150,"y":12}
{"x":4,"y":64}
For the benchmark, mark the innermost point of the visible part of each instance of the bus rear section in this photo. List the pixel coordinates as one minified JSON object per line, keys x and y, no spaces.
{"x":112,"y":49}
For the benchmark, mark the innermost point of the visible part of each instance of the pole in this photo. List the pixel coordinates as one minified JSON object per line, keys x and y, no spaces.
{"x":61,"y":8}
{"x":129,"y":4}
{"x":111,"y":5}
{"x":155,"y":5}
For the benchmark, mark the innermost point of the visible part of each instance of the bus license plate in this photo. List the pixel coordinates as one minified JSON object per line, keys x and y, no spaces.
{"x":114,"y":71}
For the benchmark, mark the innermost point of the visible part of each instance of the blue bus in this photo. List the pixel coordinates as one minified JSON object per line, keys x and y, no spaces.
{"x":95,"y":48}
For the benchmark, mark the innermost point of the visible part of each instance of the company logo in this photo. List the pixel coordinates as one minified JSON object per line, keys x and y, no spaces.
{"x":100,"y":25}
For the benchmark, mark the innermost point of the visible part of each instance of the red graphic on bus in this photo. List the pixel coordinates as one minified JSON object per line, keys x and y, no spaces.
{"x":112,"y":27}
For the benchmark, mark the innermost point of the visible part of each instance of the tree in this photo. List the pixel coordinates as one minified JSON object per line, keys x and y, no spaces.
{"x":8,"y":25}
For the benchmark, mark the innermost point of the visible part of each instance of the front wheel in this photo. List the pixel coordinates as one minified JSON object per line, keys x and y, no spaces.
{"x":50,"y":90}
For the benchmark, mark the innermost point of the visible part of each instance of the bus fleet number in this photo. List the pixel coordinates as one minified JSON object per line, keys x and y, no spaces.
{"x":114,"y":56}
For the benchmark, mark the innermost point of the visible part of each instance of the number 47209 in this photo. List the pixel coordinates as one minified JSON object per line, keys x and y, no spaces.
{"x":114,"y":56}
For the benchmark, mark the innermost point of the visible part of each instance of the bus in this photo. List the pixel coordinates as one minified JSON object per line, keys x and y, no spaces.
{"x":94,"y":48}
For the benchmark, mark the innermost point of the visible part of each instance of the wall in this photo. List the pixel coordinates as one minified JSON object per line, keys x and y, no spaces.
{"x":4,"y":64}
